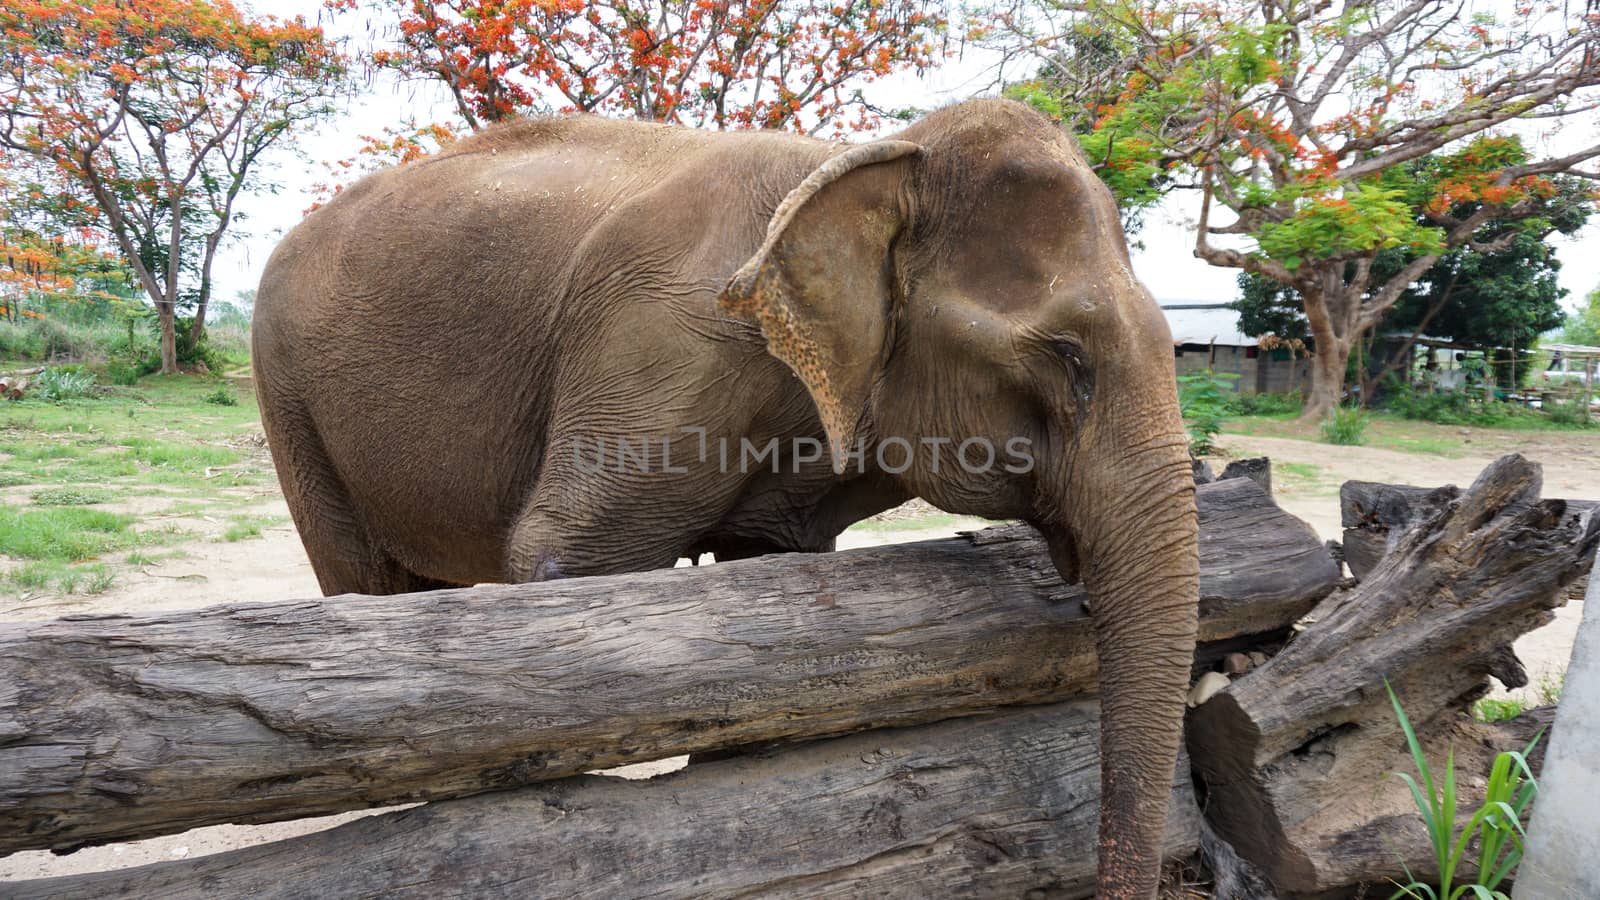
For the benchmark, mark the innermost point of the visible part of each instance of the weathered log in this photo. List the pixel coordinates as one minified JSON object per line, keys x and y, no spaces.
{"x":995,"y":806}
{"x":1257,"y":469}
{"x":121,"y":727}
{"x":1373,"y":514}
{"x":1293,"y":754}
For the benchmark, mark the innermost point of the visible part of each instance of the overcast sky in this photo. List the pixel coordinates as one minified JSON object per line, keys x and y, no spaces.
{"x":1166,"y":262}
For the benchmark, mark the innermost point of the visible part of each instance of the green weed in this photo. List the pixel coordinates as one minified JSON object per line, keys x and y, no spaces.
{"x":243,"y":527}
{"x":1206,"y":400}
{"x":1297,"y":470}
{"x":70,"y":496}
{"x":222,"y":396}
{"x":30,"y":577}
{"x":1346,"y":425}
{"x":1271,"y":405}
{"x":1496,"y":825}
{"x":63,"y":533}
{"x":59,"y":383}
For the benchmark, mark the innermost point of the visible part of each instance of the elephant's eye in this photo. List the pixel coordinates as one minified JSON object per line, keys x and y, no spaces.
{"x":1067,"y":349}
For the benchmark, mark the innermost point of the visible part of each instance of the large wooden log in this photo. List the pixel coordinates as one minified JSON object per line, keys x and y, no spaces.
{"x":1293,"y":754}
{"x":1374,"y":514}
{"x":995,"y":806}
{"x":121,"y":727}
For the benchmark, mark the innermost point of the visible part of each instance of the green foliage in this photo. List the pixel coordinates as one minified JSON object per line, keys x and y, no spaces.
{"x":1346,"y":425}
{"x":1583,"y":327}
{"x":1268,"y":404}
{"x":1501,"y":299}
{"x":1442,"y":407}
{"x":51,"y":338}
{"x":189,"y":352}
{"x":222,"y":396}
{"x":1205,"y":399}
{"x":1570,"y":414}
{"x":123,"y":373}
{"x":76,"y":495}
{"x":1267,"y":307}
{"x":1422,"y":404}
{"x":244,"y":527}
{"x":65,"y":533}
{"x":1362,"y":219}
{"x":1498,"y":709}
{"x":59,"y":383}
{"x":1496,"y":826}
{"x":95,"y":578}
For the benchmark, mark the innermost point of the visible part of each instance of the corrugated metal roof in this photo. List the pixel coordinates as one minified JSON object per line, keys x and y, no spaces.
{"x":1571,"y":349}
{"x":1197,"y":324}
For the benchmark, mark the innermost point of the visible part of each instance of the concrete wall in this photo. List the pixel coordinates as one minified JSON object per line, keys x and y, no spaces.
{"x":1258,"y":371}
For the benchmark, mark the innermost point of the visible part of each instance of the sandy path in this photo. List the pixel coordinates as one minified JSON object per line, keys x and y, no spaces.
{"x":274,"y":567}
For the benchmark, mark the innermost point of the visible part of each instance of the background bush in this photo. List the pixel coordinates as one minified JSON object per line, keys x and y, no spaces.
{"x":59,"y":383}
{"x":1346,"y":425}
{"x":1206,"y":400}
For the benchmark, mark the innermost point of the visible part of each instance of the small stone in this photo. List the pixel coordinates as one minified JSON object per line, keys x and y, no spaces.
{"x":1235,"y":664}
{"x":1207,"y":687}
{"x":1257,"y":658}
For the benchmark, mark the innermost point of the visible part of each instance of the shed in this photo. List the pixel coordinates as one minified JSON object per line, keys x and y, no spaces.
{"x":1206,"y":335}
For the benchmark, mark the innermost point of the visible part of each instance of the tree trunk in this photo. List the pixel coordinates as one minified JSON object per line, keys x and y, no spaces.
{"x":197,"y":328}
{"x":121,"y":727}
{"x":996,"y":806}
{"x":1328,"y":365}
{"x":169,"y":339}
{"x":1293,"y":755}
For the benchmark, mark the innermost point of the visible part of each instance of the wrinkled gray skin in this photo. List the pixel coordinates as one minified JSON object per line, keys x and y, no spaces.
{"x":433,"y":346}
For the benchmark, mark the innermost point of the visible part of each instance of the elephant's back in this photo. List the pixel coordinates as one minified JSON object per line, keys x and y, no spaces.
{"x":410,"y":330}
{"x":422,"y":324}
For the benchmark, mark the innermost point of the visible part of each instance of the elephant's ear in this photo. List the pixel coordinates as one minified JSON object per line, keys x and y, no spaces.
{"x":820,"y":284}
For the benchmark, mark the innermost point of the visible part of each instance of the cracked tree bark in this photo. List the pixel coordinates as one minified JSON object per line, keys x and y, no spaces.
{"x":1293,"y":755}
{"x":1003,"y":805}
{"x":122,"y":727}
{"x":1374,"y":515}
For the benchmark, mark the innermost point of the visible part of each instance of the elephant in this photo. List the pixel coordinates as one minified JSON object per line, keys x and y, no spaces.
{"x":459,"y":359}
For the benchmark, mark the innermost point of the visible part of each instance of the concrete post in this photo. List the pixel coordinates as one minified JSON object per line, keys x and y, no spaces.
{"x":1563,"y":852}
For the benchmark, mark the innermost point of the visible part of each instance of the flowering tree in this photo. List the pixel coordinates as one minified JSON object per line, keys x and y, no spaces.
{"x":397,"y":146}
{"x":154,"y":113}
{"x":1303,"y":120}
{"x":793,"y":64}
{"x":49,"y":257}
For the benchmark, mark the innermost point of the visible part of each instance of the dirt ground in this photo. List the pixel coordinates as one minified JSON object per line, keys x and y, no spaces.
{"x":1306,"y":481}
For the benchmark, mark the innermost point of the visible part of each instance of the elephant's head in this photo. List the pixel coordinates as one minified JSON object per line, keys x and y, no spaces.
{"x":968,"y":281}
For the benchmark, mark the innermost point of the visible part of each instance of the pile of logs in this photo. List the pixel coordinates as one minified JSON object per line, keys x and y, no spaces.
{"x":15,"y":385}
{"x":950,"y":682}
{"x":1292,"y":757}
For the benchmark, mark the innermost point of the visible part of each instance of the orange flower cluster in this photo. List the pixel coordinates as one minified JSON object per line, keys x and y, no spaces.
{"x":727,"y":63}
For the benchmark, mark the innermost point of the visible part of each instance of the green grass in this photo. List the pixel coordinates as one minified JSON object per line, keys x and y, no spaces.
{"x":65,"y":533}
{"x":1297,"y":470}
{"x":1500,"y":709}
{"x":931,"y":520}
{"x":165,"y":438}
{"x":1382,"y":430}
{"x":244,"y":527}
{"x":70,"y":496}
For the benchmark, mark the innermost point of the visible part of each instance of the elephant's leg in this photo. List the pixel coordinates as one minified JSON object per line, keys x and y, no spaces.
{"x":581,"y":523}
{"x":342,"y":554}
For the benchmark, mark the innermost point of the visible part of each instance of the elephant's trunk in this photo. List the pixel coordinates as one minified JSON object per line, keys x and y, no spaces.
{"x":1131,"y":531}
